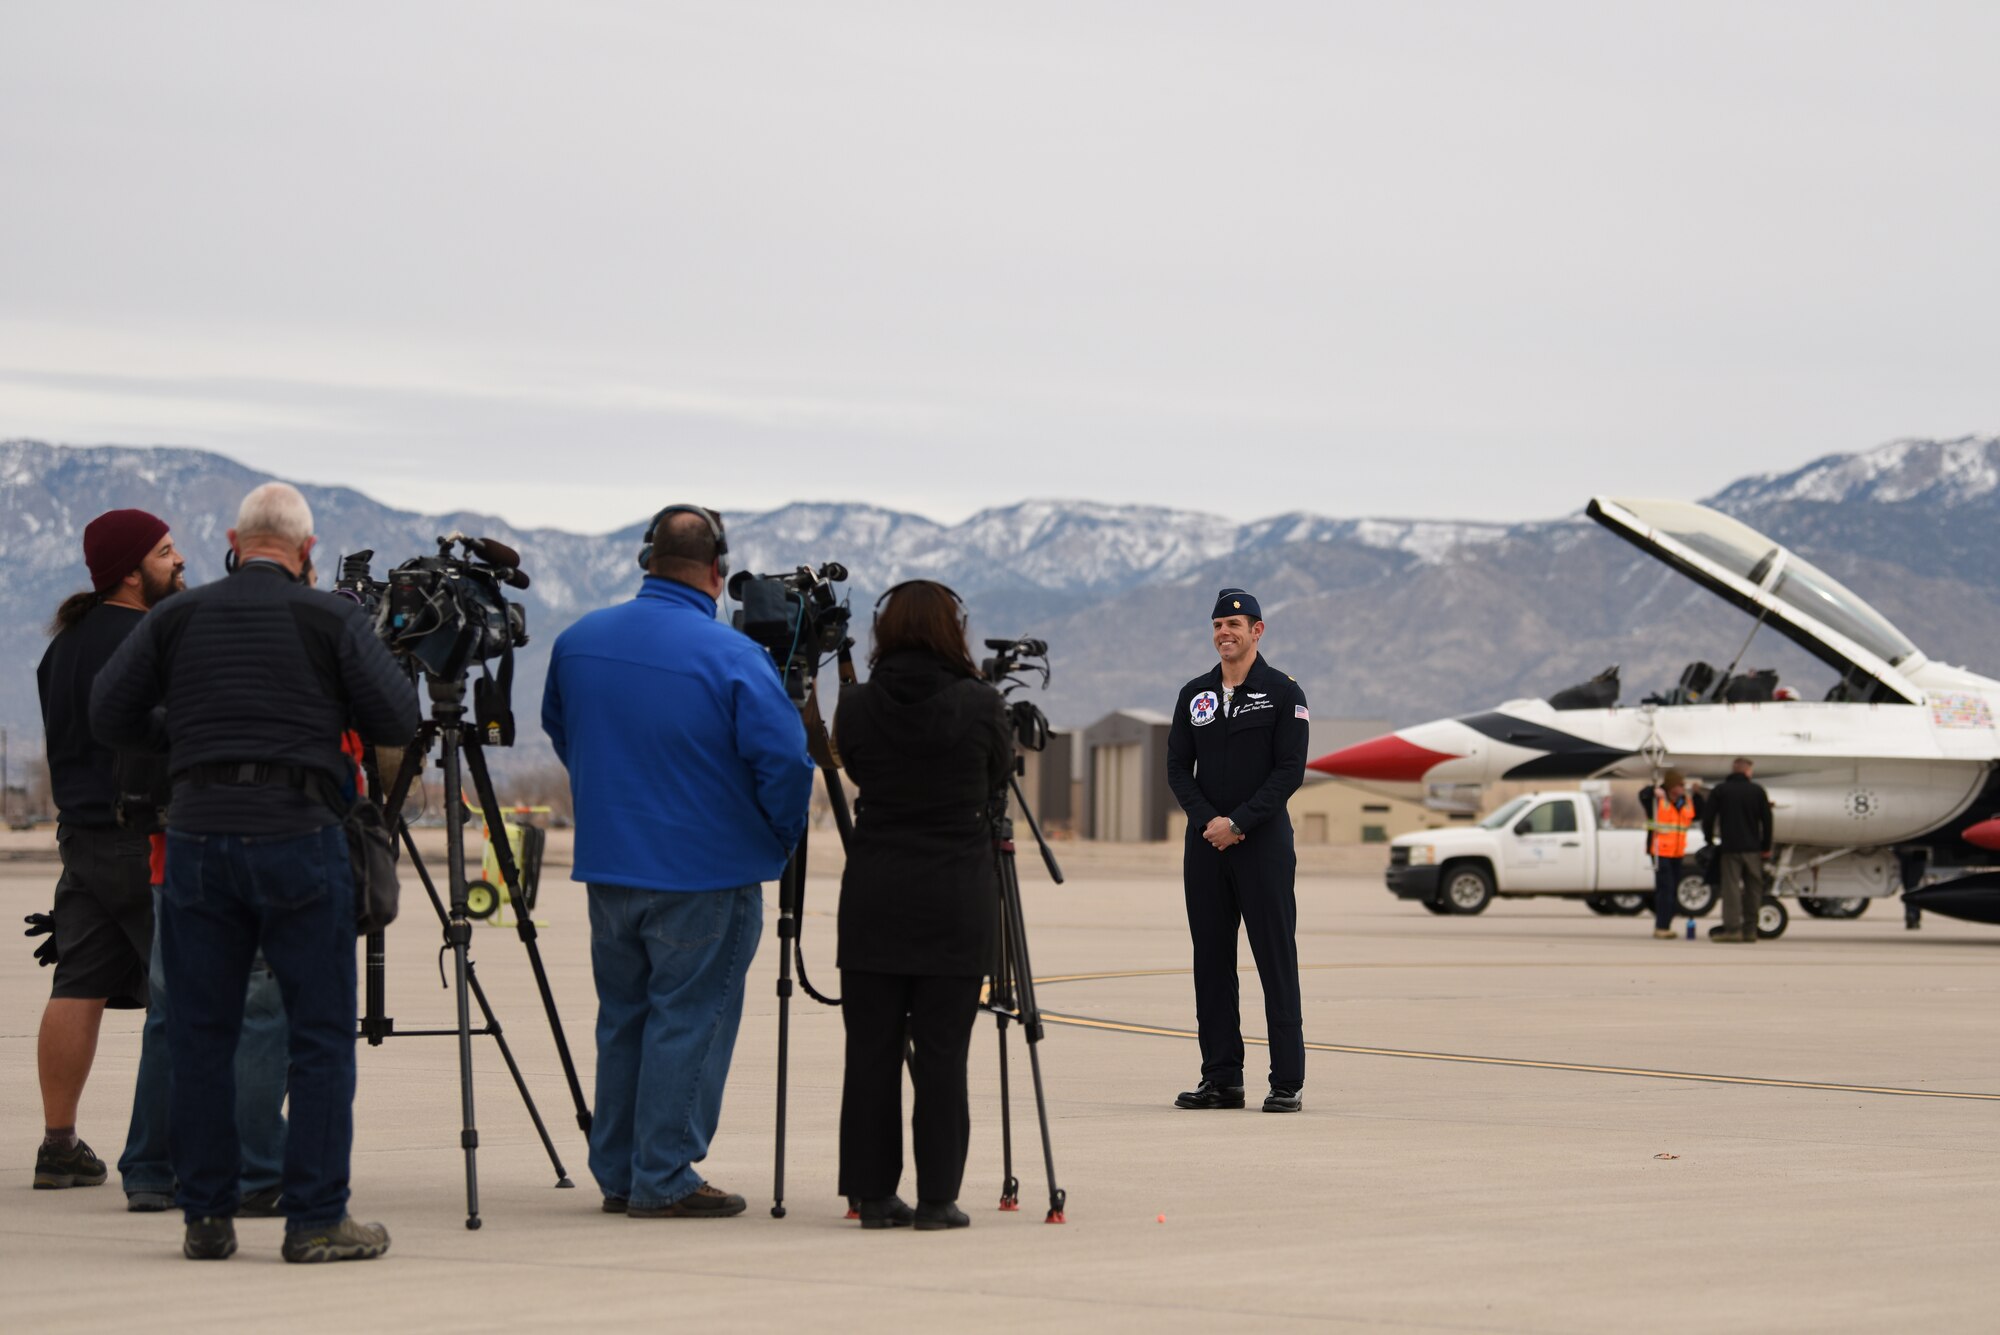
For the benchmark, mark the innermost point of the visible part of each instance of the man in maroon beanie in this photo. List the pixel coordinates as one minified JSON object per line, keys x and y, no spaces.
{"x":104,"y":901}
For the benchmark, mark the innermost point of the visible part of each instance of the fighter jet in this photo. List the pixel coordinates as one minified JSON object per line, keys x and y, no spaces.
{"x":1888,"y":782}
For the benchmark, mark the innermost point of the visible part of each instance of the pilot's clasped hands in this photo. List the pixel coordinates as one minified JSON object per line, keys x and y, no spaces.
{"x":1218,"y":833}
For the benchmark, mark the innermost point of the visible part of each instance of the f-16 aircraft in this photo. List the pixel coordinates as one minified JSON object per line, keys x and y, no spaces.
{"x":1887,"y":783}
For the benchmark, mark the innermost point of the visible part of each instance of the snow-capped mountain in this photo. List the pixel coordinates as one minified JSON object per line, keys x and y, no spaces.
{"x":1405,"y":619}
{"x":1947,"y":474}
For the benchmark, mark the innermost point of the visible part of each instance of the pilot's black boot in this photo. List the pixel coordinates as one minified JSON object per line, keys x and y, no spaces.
{"x":1211,"y":1095}
{"x":1283,"y":1099}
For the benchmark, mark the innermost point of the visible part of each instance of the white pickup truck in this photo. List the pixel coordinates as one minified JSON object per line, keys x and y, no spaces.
{"x":1540,"y":844}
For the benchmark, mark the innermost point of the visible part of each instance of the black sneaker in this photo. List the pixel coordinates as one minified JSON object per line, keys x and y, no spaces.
{"x":1211,"y":1095}
{"x":149,"y":1202}
{"x":935,"y":1215}
{"x":887,"y":1212}
{"x":261,"y":1204}
{"x":209,"y":1240}
{"x":707,"y":1202}
{"x":616,"y":1205}
{"x":1283,"y":1098}
{"x":344,"y":1241}
{"x":73,"y":1167}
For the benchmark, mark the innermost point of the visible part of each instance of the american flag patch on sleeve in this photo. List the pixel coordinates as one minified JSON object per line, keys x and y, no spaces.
{"x":1299,"y":711}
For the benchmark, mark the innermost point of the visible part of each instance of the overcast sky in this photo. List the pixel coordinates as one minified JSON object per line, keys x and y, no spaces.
{"x":566,"y":261}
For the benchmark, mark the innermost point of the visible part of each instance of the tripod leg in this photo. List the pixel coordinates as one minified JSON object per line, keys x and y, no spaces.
{"x":458,"y":934}
{"x":524,"y":925}
{"x":1015,"y":934}
{"x":514,"y":1069}
{"x":1010,"y":1186}
{"x":787,"y":929}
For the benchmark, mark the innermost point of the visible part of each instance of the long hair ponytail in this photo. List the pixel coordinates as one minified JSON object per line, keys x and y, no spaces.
{"x":74,"y":609}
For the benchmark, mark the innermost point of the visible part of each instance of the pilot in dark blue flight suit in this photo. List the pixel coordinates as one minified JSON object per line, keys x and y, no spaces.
{"x":1235,"y":753}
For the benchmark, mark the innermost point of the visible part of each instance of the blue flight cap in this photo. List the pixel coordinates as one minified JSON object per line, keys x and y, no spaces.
{"x":1236,"y":603}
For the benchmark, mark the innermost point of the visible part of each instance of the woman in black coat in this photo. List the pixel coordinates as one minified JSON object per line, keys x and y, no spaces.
{"x":927,"y":743}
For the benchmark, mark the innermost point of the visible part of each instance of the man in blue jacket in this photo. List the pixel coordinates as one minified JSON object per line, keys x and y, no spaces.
{"x":689,"y":773}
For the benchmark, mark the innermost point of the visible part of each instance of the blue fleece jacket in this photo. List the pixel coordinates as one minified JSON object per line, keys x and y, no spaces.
{"x":687,"y":760}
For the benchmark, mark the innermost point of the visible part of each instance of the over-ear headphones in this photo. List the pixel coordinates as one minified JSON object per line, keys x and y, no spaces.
{"x":709,"y":517}
{"x":911,"y":583}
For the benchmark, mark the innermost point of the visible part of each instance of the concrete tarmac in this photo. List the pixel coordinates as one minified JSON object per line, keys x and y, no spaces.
{"x":1538,"y":1120}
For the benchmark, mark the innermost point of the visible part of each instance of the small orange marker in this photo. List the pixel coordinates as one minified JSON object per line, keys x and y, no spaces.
{"x":1160,"y":1219}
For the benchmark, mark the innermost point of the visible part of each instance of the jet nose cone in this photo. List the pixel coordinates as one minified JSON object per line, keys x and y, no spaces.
{"x":1986,"y":834}
{"x":1390,"y":759}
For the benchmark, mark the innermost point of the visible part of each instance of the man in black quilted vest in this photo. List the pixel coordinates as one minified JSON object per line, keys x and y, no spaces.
{"x":259,"y":676}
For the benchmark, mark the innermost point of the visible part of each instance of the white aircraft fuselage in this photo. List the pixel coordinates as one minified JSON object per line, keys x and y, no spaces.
{"x":1897,"y":766}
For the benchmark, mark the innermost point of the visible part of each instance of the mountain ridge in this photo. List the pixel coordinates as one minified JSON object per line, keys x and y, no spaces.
{"x":1399,"y":618}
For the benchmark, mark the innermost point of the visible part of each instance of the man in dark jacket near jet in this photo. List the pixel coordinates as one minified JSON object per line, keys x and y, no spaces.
{"x":1235,"y":753}
{"x":1738,"y":825}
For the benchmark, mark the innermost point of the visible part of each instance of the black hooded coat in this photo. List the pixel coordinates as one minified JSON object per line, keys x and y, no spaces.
{"x":929,"y":748}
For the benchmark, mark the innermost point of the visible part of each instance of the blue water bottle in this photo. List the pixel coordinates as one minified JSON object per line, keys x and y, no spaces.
{"x":1690,"y":929}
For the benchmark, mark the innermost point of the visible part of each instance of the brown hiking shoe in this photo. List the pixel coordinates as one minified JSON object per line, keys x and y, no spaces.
{"x":345,"y":1240}
{"x":707,"y":1202}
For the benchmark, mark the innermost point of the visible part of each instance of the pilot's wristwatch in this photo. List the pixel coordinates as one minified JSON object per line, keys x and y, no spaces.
{"x":1236,"y":829}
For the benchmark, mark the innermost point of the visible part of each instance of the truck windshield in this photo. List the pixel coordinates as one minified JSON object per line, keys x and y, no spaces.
{"x":1504,"y":814}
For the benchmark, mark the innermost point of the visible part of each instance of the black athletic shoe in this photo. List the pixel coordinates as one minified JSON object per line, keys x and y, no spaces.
{"x":73,"y":1167}
{"x":1211,"y":1095}
{"x":344,"y":1241}
{"x":888,"y":1212}
{"x":616,"y":1204}
{"x":209,"y":1240}
{"x":261,"y":1204}
{"x":149,"y":1202}
{"x":935,"y":1215}
{"x":1282,"y":1099}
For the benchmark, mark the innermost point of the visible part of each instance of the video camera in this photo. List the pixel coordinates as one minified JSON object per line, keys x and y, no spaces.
{"x":1013,"y":664}
{"x":798,"y":618}
{"x":443,"y":614}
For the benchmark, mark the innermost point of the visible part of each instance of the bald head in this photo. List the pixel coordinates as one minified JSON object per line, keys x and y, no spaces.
{"x":684,"y":551}
{"x":274,"y":523}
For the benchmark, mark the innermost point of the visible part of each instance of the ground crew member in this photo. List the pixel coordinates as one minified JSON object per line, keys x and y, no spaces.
{"x":1235,"y":753}
{"x":1671,"y":811}
{"x":1738,"y":822}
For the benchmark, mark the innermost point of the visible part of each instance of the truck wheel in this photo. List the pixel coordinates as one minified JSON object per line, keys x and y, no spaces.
{"x":1696,"y":895}
{"x":1629,"y":906}
{"x":1771,"y":919}
{"x":1468,"y":888}
{"x":1435,"y":907}
{"x":1598,"y":904}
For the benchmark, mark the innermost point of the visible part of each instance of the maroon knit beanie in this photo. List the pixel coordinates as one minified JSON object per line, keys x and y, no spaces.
{"x":116,"y":542}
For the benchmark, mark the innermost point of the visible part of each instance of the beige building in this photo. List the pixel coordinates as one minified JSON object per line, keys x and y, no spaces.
{"x":1332,"y":811}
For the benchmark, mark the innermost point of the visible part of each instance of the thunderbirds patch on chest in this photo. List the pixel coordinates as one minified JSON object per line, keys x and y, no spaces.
{"x":1201,"y":709}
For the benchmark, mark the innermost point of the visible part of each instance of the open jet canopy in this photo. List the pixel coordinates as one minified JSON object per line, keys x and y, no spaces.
{"x":1775,"y":585}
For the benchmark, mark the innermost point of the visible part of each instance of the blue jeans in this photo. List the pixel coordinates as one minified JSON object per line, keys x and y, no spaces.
{"x":670,"y":967}
{"x":260,"y":1087}
{"x":227,"y":895}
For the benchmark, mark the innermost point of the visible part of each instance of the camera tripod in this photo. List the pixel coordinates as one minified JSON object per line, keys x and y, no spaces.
{"x":461,"y":745}
{"x":1010,"y":997}
{"x":791,"y":902}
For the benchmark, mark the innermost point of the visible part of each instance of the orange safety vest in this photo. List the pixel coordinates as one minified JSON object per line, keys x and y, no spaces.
{"x":1670,"y":825}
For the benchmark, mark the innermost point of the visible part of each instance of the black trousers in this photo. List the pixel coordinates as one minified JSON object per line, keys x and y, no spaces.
{"x":1250,"y":884}
{"x":879,"y":1010}
{"x":1666,"y":891}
